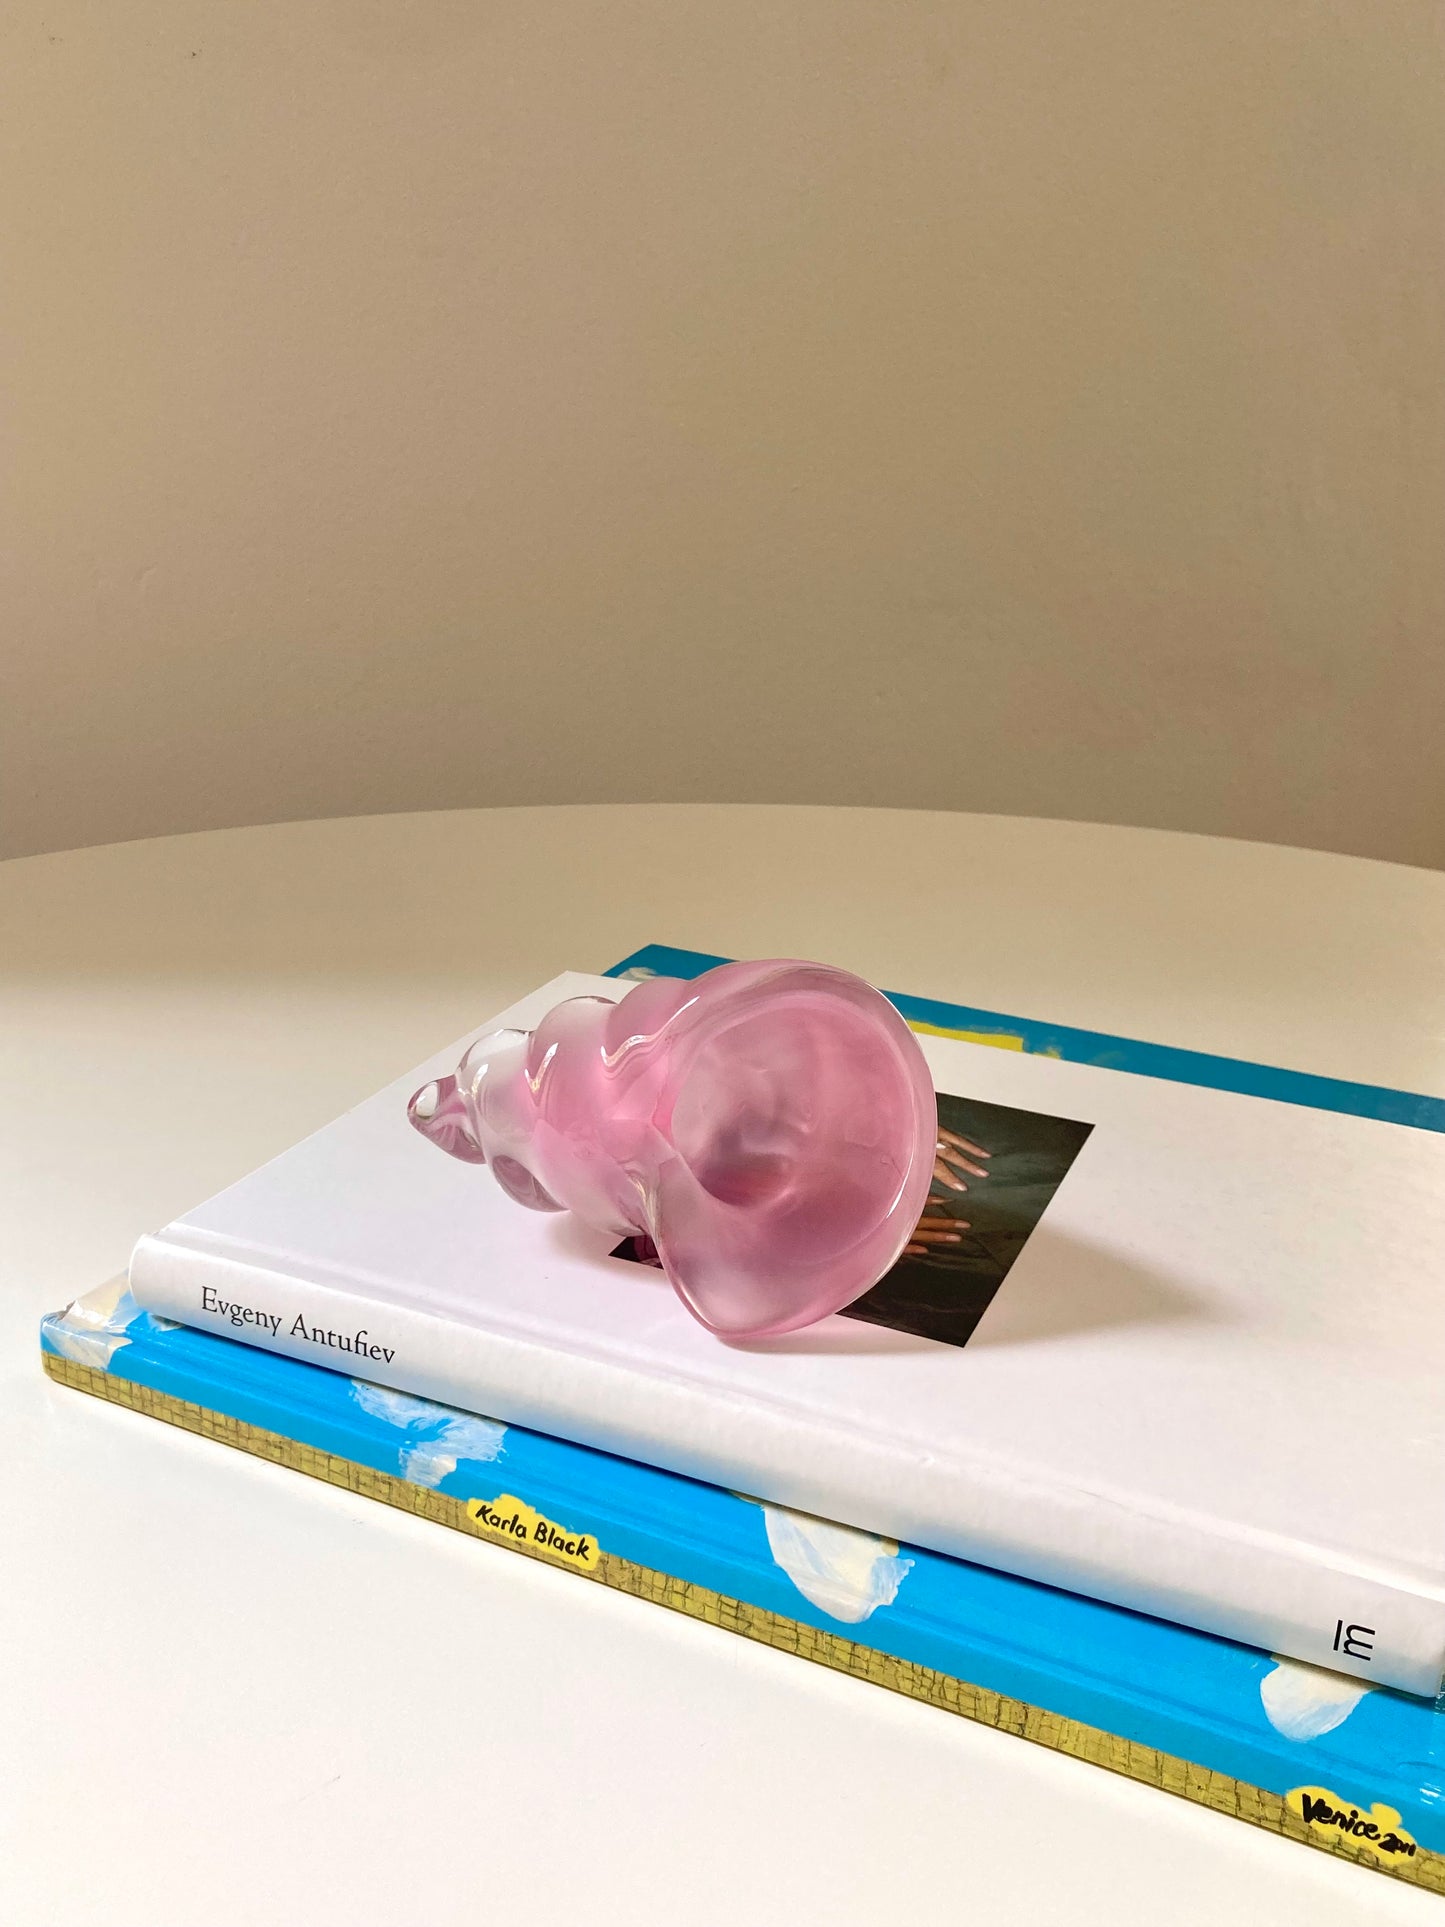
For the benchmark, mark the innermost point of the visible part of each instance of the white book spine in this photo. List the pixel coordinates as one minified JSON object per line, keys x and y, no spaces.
{"x":1264,"y":1590}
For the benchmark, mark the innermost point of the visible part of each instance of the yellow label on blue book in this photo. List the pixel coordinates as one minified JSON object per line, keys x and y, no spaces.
{"x":1377,"y":1832}
{"x":517,"y":1524}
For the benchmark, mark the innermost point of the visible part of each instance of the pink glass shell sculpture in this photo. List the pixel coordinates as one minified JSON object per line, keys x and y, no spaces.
{"x":770,"y":1127}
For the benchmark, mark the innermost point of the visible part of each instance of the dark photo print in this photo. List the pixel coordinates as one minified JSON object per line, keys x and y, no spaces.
{"x":941,"y":1288}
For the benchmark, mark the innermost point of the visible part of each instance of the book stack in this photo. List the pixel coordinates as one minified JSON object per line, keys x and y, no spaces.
{"x":1143,"y":1462}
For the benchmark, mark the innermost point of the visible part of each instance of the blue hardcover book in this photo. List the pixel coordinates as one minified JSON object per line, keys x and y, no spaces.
{"x":1330,"y":1760}
{"x":1311,"y":1754}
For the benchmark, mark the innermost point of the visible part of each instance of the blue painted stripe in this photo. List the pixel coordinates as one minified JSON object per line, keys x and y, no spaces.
{"x":1411,"y":1108}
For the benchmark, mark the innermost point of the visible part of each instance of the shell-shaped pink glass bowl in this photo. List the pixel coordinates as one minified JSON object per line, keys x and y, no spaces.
{"x":770,"y":1126}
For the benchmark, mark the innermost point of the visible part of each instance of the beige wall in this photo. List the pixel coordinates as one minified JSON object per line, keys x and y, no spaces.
{"x":1023,"y":407}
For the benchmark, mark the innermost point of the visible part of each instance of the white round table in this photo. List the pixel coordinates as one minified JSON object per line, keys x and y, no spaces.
{"x":230,"y":1695}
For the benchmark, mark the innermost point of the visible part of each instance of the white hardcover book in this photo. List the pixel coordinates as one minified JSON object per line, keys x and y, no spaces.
{"x":1187,"y":1360}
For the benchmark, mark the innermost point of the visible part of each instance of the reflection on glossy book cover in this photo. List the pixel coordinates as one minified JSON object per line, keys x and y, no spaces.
{"x":1309,"y":1754}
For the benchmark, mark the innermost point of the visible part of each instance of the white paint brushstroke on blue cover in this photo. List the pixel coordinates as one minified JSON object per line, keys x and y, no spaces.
{"x":1303,"y":1701}
{"x":845,"y":1573}
{"x":92,"y":1329}
{"x":443,"y":1434}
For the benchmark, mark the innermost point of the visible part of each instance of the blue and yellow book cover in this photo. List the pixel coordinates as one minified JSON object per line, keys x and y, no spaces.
{"x":1324,"y":1759}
